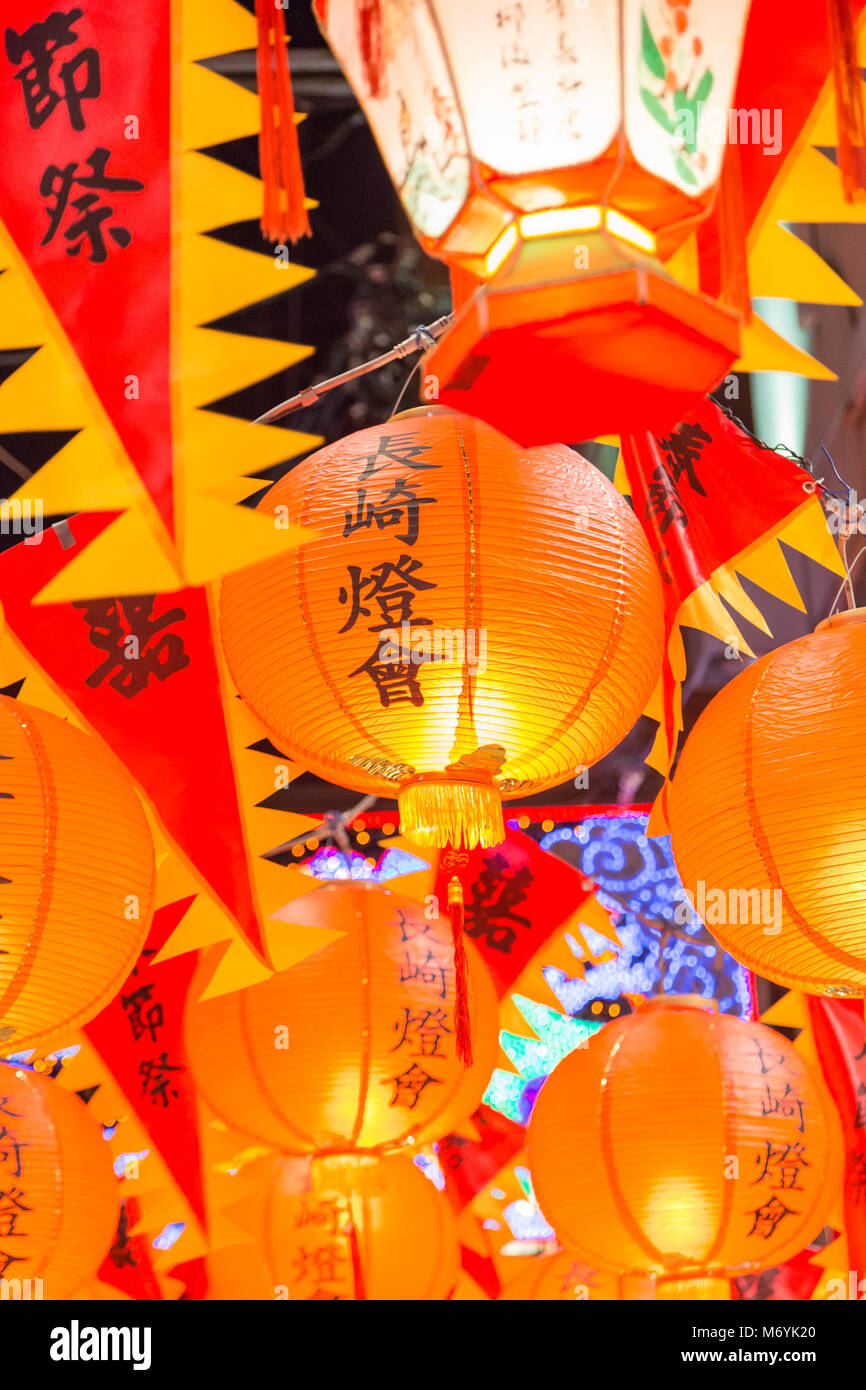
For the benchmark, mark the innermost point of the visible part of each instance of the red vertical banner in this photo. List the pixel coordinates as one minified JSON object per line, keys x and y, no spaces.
{"x":840,"y":1037}
{"x":139,"y":1037}
{"x":85,"y":111}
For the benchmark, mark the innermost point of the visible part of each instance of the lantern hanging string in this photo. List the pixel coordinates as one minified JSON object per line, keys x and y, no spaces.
{"x":462,"y":1022}
{"x":422,"y":338}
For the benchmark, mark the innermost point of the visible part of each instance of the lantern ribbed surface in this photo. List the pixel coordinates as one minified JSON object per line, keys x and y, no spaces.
{"x":77,"y":860}
{"x":365,"y":1228}
{"x":463,"y":594}
{"x":767,"y":812}
{"x":63,"y":1206}
{"x":371,"y":1061}
{"x":681,"y":1141}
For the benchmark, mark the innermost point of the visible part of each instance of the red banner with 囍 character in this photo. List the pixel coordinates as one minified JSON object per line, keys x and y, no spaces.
{"x":85,"y":193}
{"x":143,"y":673}
{"x":515,"y":897}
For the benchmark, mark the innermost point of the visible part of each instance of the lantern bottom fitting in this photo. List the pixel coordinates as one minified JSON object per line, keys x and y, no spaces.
{"x":544,"y":353}
{"x":694,"y":1288}
{"x":438,"y":810}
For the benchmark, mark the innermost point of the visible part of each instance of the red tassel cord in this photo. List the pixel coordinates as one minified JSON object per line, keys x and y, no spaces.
{"x":284,"y":216}
{"x":462,"y":1022}
{"x":848,"y":82}
{"x":357,"y":1266}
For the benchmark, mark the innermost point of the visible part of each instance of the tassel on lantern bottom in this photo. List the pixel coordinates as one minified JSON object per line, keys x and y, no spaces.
{"x":462,"y":1022}
{"x":668,"y":1288}
{"x":439,"y":812}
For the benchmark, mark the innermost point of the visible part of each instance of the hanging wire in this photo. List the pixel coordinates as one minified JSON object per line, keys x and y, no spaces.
{"x":423,"y":337}
{"x":846,"y":582}
{"x":404,"y":388}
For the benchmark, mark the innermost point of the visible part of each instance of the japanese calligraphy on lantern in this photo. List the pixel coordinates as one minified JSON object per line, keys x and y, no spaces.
{"x":14,"y":1205}
{"x":423,"y":1028}
{"x":324,"y":1249}
{"x":386,"y":596}
{"x":780,"y":1159}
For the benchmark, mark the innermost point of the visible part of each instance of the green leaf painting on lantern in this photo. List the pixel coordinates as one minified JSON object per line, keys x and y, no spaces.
{"x":675,"y":87}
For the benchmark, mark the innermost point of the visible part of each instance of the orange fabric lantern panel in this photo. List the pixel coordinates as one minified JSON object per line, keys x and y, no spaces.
{"x":77,"y":859}
{"x":369,"y":1061}
{"x":767,"y":812}
{"x":685,"y":1142}
{"x":473,"y":620}
{"x":644,"y":348}
{"x":59,"y":1204}
{"x":373,"y":1229}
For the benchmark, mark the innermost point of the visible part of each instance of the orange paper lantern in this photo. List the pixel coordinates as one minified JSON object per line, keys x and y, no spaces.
{"x":550,"y":154}
{"x":558,"y":1278}
{"x":471,"y":620}
{"x":768,"y":808}
{"x":373,"y":1229}
{"x":58,"y":1205}
{"x":563,"y":1278}
{"x":352,"y":1048}
{"x":683,"y":1142}
{"x":77,"y":859}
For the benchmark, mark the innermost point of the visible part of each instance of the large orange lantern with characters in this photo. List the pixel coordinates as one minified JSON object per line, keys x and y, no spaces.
{"x":471,"y":621}
{"x":554,"y":155}
{"x":76,"y":896}
{"x":683,"y":1143}
{"x":767,"y":811}
{"x":354,"y":1048}
{"x":60,"y":1201}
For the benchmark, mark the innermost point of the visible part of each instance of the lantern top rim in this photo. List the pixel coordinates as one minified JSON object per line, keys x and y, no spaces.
{"x":694,"y":1002}
{"x":849,"y":617}
{"x":416,"y":411}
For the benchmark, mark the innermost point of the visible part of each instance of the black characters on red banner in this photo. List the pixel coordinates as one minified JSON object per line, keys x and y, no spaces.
{"x":145,"y":1015}
{"x":56,"y":69}
{"x":495,"y":894}
{"x":388,"y":591}
{"x":49,"y":75}
{"x":137,"y":643}
{"x":682,"y":449}
{"x":89,"y":216}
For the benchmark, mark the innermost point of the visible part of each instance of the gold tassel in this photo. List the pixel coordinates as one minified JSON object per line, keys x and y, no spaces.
{"x":442,"y":811}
